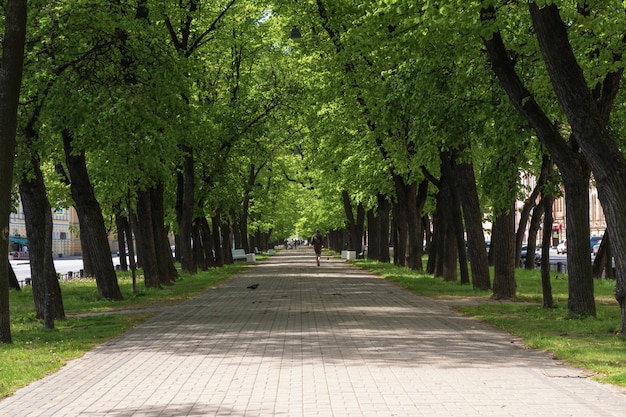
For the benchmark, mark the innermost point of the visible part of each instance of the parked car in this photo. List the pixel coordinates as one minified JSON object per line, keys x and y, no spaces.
{"x":593,"y":240}
{"x":596,"y":247}
{"x":524,"y":255}
{"x":562,"y":247}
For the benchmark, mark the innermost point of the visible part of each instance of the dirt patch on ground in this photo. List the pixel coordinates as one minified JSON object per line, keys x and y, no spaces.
{"x":155,"y":308}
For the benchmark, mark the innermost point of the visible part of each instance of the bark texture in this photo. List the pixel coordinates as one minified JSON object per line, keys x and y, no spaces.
{"x":546,"y":286}
{"x":38,"y":219}
{"x":146,"y":240}
{"x":587,"y":110}
{"x":93,"y":236}
{"x":472,"y":214}
{"x":503,"y":245}
{"x":572,"y":166}
{"x":186,"y":217}
{"x":15,"y":12}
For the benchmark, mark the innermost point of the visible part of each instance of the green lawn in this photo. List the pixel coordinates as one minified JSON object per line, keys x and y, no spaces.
{"x":591,"y":343}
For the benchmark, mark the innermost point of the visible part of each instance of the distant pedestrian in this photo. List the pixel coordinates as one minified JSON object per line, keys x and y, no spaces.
{"x":318,"y":244}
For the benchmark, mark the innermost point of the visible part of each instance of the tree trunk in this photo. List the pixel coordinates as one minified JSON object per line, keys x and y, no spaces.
{"x":355,"y":225}
{"x":416,"y":202}
{"x":546,"y":287}
{"x":373,"y":235}
{"x":547,"y":167}
{"x":186,"y":221}
{"x":447,"y":175}
{"x":445,"y":243}
{"x":400,"y":232}
{"x":342,"y":239}
{"x":15,"y":12}
{"x":581,"y":301}
{"x":93,"y":233}
{"x":243,"y":220}
{"x":131,"y":246}
{"x":180,"y":191}
{"x":384,"y":208}
{"x":503,"y":245}
{"x":565,"y":154}
{"x":120,"y":226}
{"x":408,"y":240}
{"x":198,"y":246}
{"x":529,"y":204}
{"x":165,"y":262}
{"x":225,"y":243}
{"x":476,"y":249}
{"x":146,"y":240}
{"x":38,"y":219}
{"x":267,"y":238}
{"x":450,"y":255}
{"x":88,"y":266}
{"x":535,"y":223}
{"x":207,"y":242}
{"x":217,"y":241}
{"x":136,"y":232}
{"x":14,"y":284}
{"x":587,"y":112}
{"x":603,"y":263}
{"x":435,"y":264}
{"x":235,"y":229}
{"x":378,"y":231}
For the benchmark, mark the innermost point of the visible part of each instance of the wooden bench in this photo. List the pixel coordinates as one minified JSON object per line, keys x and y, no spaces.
{"x":239,"y":254}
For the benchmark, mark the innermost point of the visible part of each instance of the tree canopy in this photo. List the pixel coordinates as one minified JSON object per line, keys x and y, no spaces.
{"x":242,"y":123}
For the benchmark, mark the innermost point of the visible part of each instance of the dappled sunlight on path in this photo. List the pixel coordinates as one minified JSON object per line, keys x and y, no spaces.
{"x":286,"y":337}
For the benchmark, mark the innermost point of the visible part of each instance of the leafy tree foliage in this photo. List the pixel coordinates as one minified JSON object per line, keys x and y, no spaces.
{"x":209,"y":119}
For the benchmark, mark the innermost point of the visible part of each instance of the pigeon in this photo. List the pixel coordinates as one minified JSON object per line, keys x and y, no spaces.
{"x":253,"y":287}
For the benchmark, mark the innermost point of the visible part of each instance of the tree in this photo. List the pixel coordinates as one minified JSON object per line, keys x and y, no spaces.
{"x":39,"y":80}
{"x":15,"y":13}
{"x":603,"y":262}
{"x":94,"y":237}
{"x":503,"y":238}
{"x":546,"y":286}
{"x":587,"y":109}
{"x":476,"y":247}
{"x":503,"y":177}
{"x":529,"y":204}
{"x":13,"y":282}
{"x":190,"y":28}
{"x":38,"y":215}
{"x":573,"y":167}
{"x":360,"y":82}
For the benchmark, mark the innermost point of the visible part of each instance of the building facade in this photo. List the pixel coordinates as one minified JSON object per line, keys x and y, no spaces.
{"x":597,"y":221}
{"x":65,"y":233}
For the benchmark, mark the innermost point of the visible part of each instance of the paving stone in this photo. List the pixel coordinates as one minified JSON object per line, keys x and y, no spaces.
{"x":314,"y":341}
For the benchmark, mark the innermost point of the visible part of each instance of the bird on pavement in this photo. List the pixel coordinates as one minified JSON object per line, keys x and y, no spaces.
{"x":253,"y":287}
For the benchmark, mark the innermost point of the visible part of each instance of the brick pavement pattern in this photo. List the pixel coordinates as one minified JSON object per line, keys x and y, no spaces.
{"x":314,"y":341}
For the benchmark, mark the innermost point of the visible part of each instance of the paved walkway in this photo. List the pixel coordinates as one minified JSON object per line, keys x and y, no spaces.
{"x":309,"y":341}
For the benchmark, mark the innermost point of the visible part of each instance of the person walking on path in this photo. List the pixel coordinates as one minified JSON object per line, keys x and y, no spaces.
{"x":317,"y":242}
